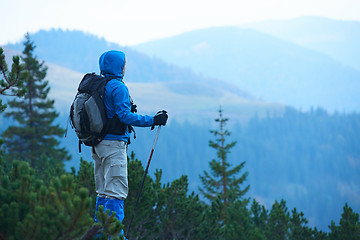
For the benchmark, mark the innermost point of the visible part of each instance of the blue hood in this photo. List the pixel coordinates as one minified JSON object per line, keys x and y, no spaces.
{"x":112,"y":63}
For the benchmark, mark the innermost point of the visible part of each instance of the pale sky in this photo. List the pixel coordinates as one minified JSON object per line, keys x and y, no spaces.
{"x":129,"y":22}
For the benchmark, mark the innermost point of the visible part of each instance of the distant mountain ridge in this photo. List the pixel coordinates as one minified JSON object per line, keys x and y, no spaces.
{"x":80,"y":52}
{"x":269,"y":67}
{"x":335,"y":38}
{"x":153,"y":83}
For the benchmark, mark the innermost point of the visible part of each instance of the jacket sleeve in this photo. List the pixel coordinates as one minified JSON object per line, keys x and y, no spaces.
{"x":122,"y":107}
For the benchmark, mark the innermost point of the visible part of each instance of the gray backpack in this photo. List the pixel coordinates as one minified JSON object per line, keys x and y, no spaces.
{"x":87,"y":112}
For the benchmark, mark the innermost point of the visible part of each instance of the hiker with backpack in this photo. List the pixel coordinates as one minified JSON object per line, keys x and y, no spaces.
{"x":110,"y":156}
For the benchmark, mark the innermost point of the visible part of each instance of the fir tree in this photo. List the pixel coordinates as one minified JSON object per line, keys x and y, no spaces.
{"x":34,"y":139}
{"x":224,"y":181}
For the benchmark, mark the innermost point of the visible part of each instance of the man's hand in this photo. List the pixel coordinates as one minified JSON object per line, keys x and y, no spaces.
{"x":160,"y":118}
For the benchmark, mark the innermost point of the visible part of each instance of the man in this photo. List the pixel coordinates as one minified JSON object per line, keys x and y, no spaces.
{"x":110,"y":157}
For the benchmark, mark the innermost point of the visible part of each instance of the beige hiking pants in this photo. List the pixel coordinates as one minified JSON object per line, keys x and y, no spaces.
{"x":110,"y":169}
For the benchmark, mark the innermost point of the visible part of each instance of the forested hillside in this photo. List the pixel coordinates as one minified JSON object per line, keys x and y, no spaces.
{"x":311,"y":159}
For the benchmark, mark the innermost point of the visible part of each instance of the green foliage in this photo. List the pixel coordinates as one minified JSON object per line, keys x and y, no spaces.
{"x":282,"y":224}
{"x":163,"y":212}
{"x":85,"y":179}
{"x":238,"y":224}
{"x":12,"y":81}
{"x":210,"y":227}
{"x":180,"y":214}
{"x":278,"y":221}
{"x":31,"y":210}
{"x":349,"y":227}
{"x":298,"y":228}
{"x":258,"y":221}
{"x":110,"y":226}
{"x":34,"y":139}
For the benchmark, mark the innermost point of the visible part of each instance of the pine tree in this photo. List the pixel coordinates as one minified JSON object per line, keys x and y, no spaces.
{"x":180,"y":214}
{"x":298,"y":227}
{"x":224,"y":181}
{"x":84,"y":178}
{"x":34,"y":139}
{"x":278,"y":221}
{"x":349,"y":227}
{"x":31,"y":210}
{"x":258,"y":219}
{"x":163,"y":212}
{"x":210,"y":228}
{"x":238,"y":224}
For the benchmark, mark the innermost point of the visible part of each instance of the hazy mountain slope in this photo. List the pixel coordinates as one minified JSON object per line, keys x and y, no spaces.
{"x":268,"y":67}
{"x":80,"y":52}
{"x":338,"y":39}
{"x":153,"y":84}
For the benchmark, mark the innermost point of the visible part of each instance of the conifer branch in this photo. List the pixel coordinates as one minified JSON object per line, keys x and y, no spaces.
{"x":11,"y":79}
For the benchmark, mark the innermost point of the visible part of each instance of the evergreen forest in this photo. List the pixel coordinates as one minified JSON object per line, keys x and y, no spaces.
{"x":40,"y":199}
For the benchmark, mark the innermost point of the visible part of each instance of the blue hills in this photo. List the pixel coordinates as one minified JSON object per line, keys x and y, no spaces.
{"x":180,"y":90}
{"x":335,"y":38}
{"x":271,"y":65}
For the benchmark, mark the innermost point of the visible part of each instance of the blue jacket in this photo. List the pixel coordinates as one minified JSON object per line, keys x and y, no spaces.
{"x":117,"y":98}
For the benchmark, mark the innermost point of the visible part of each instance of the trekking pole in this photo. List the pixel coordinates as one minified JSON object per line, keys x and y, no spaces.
{"x":142,"y":183}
